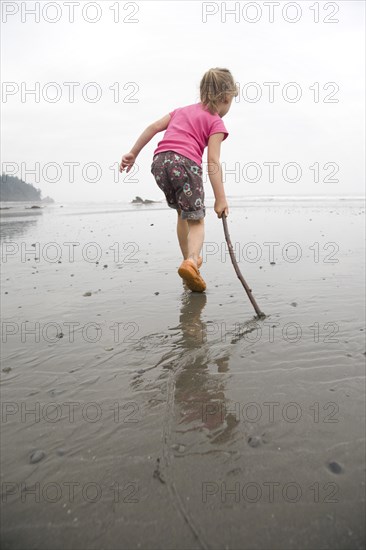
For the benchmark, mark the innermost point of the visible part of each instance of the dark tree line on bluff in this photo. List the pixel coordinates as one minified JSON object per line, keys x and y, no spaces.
{"x":14,"y":189}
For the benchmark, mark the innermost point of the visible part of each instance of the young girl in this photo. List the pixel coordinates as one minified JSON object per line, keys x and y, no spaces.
{"x":177,"y":164}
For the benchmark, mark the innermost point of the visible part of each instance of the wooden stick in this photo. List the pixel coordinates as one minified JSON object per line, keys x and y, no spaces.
{"x":237,"y":270}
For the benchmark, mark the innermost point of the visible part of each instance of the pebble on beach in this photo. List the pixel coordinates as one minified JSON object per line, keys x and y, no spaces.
{"x":178,"y":448}
{"x":36,"y":456}
{"x":334,"y":467}
{"x":254,"y":441}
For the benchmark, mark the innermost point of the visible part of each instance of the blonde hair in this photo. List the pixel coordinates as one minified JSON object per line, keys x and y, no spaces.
{"x":215,"y":87}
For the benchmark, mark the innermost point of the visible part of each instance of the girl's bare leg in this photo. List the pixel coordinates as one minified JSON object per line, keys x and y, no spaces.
{"x":195,"y":238}
{"x":182,"y":232}
{"x":191,"y":242}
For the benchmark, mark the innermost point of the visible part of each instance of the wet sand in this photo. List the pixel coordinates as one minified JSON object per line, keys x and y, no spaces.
{"x":136,"y":414}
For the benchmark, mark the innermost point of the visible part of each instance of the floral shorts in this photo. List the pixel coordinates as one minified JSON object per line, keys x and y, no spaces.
{"x":180,"y":179}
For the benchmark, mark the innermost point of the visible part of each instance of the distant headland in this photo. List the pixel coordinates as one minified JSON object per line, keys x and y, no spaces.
{"x":14,"y":189}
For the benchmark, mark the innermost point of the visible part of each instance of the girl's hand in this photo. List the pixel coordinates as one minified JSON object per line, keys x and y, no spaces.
{"x":221,"y":207}
{"x":128,"y":161}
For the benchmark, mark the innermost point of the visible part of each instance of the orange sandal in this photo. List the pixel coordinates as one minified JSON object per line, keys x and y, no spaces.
{"x":190,"y":274}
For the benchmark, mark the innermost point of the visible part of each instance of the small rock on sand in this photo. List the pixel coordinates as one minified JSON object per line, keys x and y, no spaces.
{"x":254,"y":441}
{"x":179,"y":448}
{"x":334,"y":467}
{"x":36,"y":456}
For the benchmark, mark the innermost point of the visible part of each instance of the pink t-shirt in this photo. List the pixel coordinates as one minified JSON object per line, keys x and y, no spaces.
{"x":188,"y":131}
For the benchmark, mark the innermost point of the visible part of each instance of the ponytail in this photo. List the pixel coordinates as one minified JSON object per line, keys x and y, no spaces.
{"x":215,"y":87}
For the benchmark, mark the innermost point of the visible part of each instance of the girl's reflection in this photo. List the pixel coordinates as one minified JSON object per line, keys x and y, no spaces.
{"x":199,"y":390}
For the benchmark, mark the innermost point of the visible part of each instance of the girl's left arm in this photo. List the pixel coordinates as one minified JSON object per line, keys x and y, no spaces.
{"x":128,"y":159}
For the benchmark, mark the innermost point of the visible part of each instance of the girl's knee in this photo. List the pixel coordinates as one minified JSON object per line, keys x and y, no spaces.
{"x":196,"y":222}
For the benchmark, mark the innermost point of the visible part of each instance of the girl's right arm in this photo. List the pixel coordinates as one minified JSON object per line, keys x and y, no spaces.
{"x":128,"y":159}
{"x":215,"y":173}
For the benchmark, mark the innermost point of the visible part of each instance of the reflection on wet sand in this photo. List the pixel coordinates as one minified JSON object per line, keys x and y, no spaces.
{"x":199,"y":396}
{"x":11,"y":227}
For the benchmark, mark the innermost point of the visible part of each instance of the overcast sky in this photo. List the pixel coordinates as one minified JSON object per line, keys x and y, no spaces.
{"x":156,"y":54}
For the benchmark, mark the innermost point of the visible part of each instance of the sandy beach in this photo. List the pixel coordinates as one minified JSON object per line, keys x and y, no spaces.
{"x":136,"y":414}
